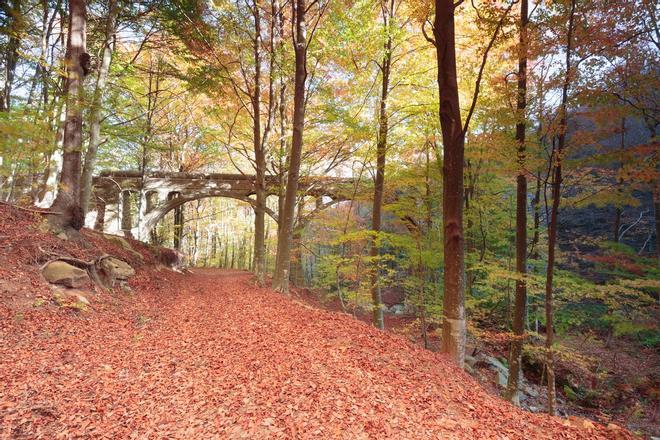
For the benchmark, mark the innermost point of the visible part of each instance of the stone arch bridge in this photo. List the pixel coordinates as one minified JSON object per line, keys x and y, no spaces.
{"x":157,"y":193}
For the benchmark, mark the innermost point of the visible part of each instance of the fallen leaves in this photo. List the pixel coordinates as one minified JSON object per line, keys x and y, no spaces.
{"x":219,"y":358}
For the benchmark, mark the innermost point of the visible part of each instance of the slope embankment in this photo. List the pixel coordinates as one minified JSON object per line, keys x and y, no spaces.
{"x":211,"y":355}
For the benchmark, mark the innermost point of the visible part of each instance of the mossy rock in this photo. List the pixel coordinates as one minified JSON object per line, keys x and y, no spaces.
{"x":120,"y":241}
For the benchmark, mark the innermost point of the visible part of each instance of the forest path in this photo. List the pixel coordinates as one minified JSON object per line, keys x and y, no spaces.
{"x":210,"y":355}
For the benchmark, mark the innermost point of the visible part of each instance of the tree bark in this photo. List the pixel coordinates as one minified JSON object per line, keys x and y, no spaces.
{"x":381,"y":153}
{"x":67,"y":201}
{"x":282,"y":267}
{"x":453,"y":138}
{"x":96,"y":111}
{"x":515,"y":358}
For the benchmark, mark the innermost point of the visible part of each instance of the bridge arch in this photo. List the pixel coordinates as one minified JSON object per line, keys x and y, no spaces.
{"x":155,"y":192}
{"x":153,"y":216}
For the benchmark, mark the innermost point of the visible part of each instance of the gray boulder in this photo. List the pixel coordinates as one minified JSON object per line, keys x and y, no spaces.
{"x":115,"y":271}
{"x":501,"y":370}
{"x":59,"y":272}
{"x":118,"y":269}
{"x":470,"y":360}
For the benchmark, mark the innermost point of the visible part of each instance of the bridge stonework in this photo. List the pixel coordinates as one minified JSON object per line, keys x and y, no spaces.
{"x":154,"y":194}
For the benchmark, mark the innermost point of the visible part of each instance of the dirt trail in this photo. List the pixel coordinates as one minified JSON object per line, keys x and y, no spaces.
{"x":209,"y":355}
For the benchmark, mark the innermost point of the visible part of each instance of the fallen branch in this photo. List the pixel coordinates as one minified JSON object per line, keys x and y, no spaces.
{"x":90,"y":266}
{"x":30,"y":210}
{"x":639,"y":219}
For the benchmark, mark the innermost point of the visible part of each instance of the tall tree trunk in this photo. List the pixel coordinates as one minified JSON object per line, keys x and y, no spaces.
{"x":77,"y":62}
{"x":43,"y":53}
{"x":16,"y":29}
{"x":297,"y":270}
{"x":552,"y":226}
{"x":10,"y":60}
{"x":656,"y":209}
{"x":225,"y":260}
{"x":381,"y":152}
{"x":470,"y":243}
{"x":515,"y":358}
{"x":282,"y":267}
{"x":278,"y":14}
{"x":233,"y":254}
{"x":96,"y":112}
{"x":259,"y":155}
{"x":453,"y":138}
{"x":536,"y":207}
{"x":178,"y":227}
{"x":619,"y":183}
{"x":99,"y":223}
{"x":126,"y":214}
{"x":214,"y":247}
{"x":177,"y":231}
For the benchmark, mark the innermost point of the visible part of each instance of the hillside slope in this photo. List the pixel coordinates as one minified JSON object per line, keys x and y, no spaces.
{"x":209,"y":355}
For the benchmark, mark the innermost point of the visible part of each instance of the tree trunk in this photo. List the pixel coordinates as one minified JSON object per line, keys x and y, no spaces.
{"x":178,"y":227}
{"x":11,"y":56}
{"x":77,"y":62}
{"x":214,"y":248}
{"x":96,"y":111}
{"x":381,"y":152}
{"x":552,"y":239}
{"x":259,"y":155}
{"x":43,"y":52}
{"x":552,"y":226}
{"x":536,"y":206}
{"x":100,"y":215}
{"x":283,"y":150}
{"x":225,"y":260}
{"x":619,"y":183}
{"x":282,"y":267}
{"x":656,"y":211}
{"x":453,"y":138}
{"x":177,"y":233}
{"x":126,"y":215}
{"x":297,"y":271}
{"x":515,"y":358}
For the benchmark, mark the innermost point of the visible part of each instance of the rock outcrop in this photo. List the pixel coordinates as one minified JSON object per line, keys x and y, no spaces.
{"x":114,"y":271}
{"x":65,"y":274}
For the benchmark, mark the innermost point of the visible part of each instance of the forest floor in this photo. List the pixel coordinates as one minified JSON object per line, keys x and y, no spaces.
{"x":210,"y":355}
